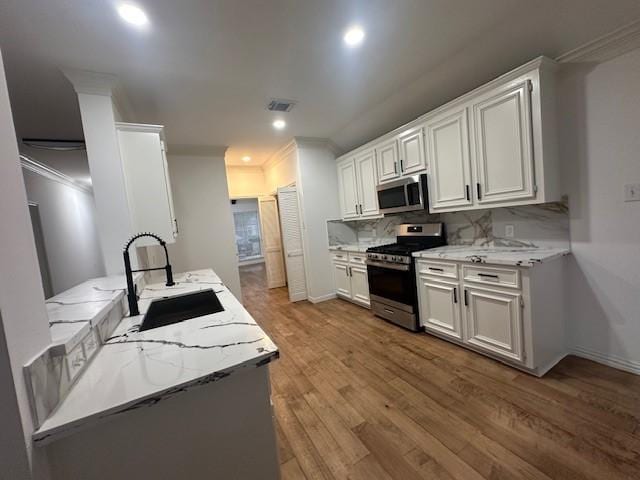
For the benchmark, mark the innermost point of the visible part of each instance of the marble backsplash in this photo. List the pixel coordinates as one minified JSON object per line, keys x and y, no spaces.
{"x":544,"y":225}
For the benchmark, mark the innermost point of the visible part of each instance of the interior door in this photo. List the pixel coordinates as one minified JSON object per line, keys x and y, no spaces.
{"x":439,"y":307}
{"x":493,"y":322}
{"x":448,"y":147}
{"x":412,"y":158}
{"x":348,"y":184}
{"x":292,"y":243}
{"x":387,"y":159}
{"x":271,"y":242}
{"x":367,"y":183}
{"x":504,"y":145}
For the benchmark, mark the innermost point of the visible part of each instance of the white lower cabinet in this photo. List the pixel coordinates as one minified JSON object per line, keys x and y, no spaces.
{"x":493,"y":321}
{"x":341,"y":277}
{"x":359,"y":284}
{"x":513,"y":314}
{"x":350,"y":275}
{"x":439,"y":308}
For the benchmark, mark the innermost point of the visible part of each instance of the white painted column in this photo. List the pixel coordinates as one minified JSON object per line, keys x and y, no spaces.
{"x":95,"y":92}
{"x":24,"y":325}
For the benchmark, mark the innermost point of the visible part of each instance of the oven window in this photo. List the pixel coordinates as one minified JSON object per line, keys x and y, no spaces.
{"x":413,"y":193}
{"x":392,"y":197}
{"x":394,"y":285}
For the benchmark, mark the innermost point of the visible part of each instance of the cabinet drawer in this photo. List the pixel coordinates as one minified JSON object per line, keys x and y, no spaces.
{"x":505,"y":277}
{"x":339,"y":256}
{"x":439,"y":269}
{"x":357,"y":258}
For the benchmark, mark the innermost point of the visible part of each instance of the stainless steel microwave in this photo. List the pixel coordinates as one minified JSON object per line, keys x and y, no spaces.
{"x":404,"y":195}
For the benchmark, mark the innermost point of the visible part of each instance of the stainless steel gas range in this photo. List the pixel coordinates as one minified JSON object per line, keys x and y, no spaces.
{"x":391,"y":273}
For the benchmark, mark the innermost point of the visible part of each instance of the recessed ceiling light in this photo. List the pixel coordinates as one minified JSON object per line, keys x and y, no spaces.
{"x":133,"y":15}
{"x":354,"y":36}
{"x":279,"y":124}
{"x":246,"y":158}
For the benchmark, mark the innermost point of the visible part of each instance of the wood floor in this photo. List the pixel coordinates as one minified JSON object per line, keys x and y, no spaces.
{"x":358,"y":398}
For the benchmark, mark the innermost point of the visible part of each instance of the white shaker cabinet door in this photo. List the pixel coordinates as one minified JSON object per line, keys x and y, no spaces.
{"x":504,"y":145}
{"x":439,"y":307}
{"x":367,"y":181}
{"x":388,"y":161}
{"x":348,"y":184}
{"x":448,"y":156}
{"x":493,"y":322}
{"x":412,"y":157}
{"x":359,"y":284}
{"x":342,"y":280}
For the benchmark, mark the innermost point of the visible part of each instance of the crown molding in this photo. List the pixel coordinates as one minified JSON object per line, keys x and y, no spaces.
{"x":198,"y":150}
{"x":52,"y":174}
{"x":606,"y":47}
{"x":318,"y":143}
{"x":280,"y":154}
{"x":92,"y":83}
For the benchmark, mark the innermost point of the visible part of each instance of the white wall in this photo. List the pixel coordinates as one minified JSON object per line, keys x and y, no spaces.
{"x":282,"y":169}
{"x":71,"y":241}
{"x":246,"y":181}
{"x":600,"y":148}
{"x":201,"y":200}
{"x":25,"y":328}
{"x":318,"y":192}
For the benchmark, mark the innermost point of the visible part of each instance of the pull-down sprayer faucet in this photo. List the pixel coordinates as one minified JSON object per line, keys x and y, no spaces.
{"x":132,"y":295}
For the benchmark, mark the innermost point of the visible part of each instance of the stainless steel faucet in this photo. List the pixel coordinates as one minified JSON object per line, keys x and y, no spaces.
{"x":132,"y":295}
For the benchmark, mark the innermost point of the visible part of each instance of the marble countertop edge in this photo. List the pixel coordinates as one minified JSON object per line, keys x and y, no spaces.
{"x":44,"y":436}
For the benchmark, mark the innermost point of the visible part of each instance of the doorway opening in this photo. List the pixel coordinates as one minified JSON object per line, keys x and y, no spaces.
{"x":277,"y":260}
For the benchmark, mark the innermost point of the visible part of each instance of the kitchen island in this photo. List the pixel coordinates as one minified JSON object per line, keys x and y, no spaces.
{"x":188,"y":400}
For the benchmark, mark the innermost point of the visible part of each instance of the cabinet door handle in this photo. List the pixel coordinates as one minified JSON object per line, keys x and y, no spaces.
{"x":466,"y":299}
{"x":466,"y":189}
{"x":455,"y":295}
{"x":489,"y":275}
{"x":360,"y":209}
{"x":401,"y":166}
{"x":175,"y":220}
{"x":350,"y":272}
{"x":435,"y":269}
{"x":478,"y":191}
{"x":395,"y":167}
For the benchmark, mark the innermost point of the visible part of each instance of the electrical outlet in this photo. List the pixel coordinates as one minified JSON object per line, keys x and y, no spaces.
{"x":509,"y":231}
{"x":632,"y":192}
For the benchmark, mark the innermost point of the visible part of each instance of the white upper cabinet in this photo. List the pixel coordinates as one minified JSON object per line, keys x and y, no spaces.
{"x":412,"y":157}
{"x":388,"y":160}
{"x":495,"y":146}
{"x":448,"y":153}
{"x":367,"y":180}
{"x":504,"y":144}
{"x":348,"y":188}
{"x":357,"y":180}
{"x":146,"y":177}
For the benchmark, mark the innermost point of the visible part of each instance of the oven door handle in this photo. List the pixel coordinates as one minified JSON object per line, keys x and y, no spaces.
{"x":390,"y":266}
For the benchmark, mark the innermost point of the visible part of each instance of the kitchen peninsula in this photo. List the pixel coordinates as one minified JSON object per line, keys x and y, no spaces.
{"x":188,"y":400}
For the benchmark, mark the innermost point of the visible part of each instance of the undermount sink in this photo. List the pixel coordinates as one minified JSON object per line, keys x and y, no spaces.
{"x":170,"y":310}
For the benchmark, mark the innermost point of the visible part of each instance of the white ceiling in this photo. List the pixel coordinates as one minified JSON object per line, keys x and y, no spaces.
{"x":207,"y":68}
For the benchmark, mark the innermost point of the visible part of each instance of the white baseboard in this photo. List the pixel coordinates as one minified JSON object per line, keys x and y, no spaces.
{"x":609,"y":360}
{"x":323,"y":298}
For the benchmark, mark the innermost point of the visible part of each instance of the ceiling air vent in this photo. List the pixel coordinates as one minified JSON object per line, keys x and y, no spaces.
{"x":280,"y":105}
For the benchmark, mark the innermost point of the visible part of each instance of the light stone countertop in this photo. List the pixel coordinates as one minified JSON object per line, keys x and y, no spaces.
{"x":514,"y":256}
{"x":139,"y":369}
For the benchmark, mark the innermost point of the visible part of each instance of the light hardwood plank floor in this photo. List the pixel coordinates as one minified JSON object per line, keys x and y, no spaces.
{"x":358,"y":398}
